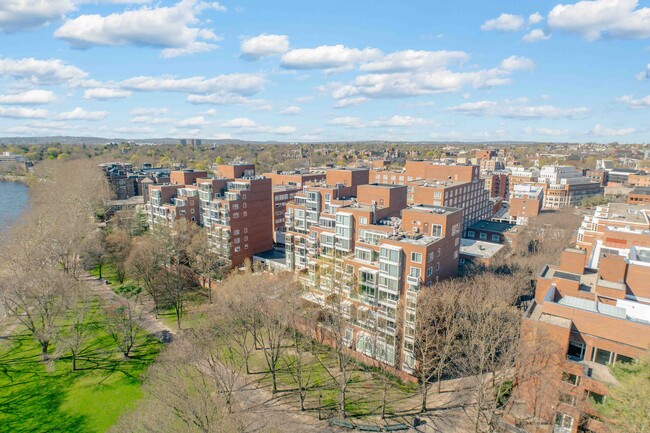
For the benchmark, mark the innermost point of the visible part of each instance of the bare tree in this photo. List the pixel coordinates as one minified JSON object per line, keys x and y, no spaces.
{"x":205,"y":261}
{"x":93,"y":253}
{"x":122,"y":325}
{"x":281,"y":300}
{"x":300,"y":368}
{"x":437,"y":333}
{"x":80,"y":317}
{"x":335,"y":321}
{"x":118,"y":246}
{"x":145,"y":263}
{"x":38,"y":300}
{"x":490,"y":339}
{"x":180,"y":396}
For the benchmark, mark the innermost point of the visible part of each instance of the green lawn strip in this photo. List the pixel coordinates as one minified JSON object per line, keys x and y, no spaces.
{"x":50,"y":397}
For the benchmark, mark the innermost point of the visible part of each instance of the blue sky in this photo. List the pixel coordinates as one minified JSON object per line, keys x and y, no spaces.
{"x":335,"y":70}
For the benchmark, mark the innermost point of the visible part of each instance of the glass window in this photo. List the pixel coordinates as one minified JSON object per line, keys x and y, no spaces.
{"x":576,"y":351}
{"x":495,"y":238}
{"x":483,"y":236}
{"x":571,"y":378}
{"x":471,"y":234}
{"x":416,"y":257}
{"x":624,"y":359}
{"x":564,"y":420}
{"x":602,"y":356}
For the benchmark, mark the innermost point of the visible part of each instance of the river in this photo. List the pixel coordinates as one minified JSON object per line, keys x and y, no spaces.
{"x":14,"y":200}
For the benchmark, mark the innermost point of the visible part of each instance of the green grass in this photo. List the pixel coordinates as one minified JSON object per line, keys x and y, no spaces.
{"x":50,"y":397}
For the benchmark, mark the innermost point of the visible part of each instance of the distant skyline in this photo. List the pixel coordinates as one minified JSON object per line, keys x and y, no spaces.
{"x":480,"y":70}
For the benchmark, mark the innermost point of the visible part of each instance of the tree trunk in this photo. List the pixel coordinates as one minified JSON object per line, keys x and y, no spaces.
{"x":274,"y":381}
{"x":99,"y":268}
{"x":178,"y":317}
{"x":74,"y":361}
{"x":383,"y":399}
{"x":209,"y":290}
{"x":44,"y":348}
{"x":439,"y":380}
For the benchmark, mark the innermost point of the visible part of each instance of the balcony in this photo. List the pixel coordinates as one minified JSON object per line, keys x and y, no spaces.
{"x":413,"y":280}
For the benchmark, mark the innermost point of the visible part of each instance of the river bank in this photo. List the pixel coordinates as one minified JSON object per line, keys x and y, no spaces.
{"x":24,"y":179}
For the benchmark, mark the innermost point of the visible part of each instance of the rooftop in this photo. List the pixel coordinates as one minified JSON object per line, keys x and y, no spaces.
{"x":427,"y":208}
{"x":432,"y":183}
{"x":492,"y":226}
{"x":481,"y":249}
{"x":642,"y":190}
{"x":633,"y":213}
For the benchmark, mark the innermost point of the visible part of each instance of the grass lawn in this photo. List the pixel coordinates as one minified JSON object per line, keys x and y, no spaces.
{"x":50,"y":397}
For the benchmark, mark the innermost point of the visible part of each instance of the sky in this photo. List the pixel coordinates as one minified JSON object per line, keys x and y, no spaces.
{"x":481,"y":70}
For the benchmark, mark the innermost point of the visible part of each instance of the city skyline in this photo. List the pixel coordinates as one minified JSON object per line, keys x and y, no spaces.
{"x":549,"y":71}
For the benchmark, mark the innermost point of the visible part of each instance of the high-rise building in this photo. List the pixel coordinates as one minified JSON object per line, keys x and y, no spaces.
{"x":367,"y":242}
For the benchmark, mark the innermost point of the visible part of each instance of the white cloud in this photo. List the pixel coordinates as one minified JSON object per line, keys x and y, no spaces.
{"x":304,"y":99}
{"x":348,"y":102}
{"x":350,"y":122}
{"x":193,"y":122}
{"x":400,"y":121}
{"x":264,"y":45}
{"x":645,"y":75}
{"x":156,"y":111}
{"x":594,"y":19}
{"x":103,"y":93}
{"x":17,"y":15}
{"x":504,"y":23}
{"x":551,"y":132}
{"x":635,"y":103}
{"x":517,"y":110}
{"x":30,"y":97}
{"x":535,"y":35}
{"x":135,"y":130}
{"x":250,"y":126}
{"x":169,"y":28}
{"x":150,"y":120}
{"x":405,"y":84}
{"x":81,"y":114}
{"x":410,"y":60}
{"x":328,"y":57}
{"x":241,"y":84}
{"x":22,"y":113}
{"x":46,"y":128}
{"x":240,"y":122}
{"x":601,"y":131}
{"x":535,"y":18}
{"x":52,"y":71}
{"x":517,"y":63}
{"x":395,"y":121}
{"x":291,"y":110}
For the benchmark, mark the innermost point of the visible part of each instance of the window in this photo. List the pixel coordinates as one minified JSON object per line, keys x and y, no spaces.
{"x":482,"y":236}
{"x":415,"y":272}
{"x":595,"y":397}
{"x":624,"y":359}
{"x":437,"y":266}
{"x":567,"y":399}
{"x":496,"y":238}
{"x":429,"y":271}
{"x":602,"y":356}
{"x":436,"y":230}
{"x":563,"y":420}
{"x":471,"y":234}
{"x":430,"y":257}
{"x":576,"y":351}
{"x":237,"y":249}
{"x":571,"y":378}
{"x":416,"y":257}
{"x":363,"y":221}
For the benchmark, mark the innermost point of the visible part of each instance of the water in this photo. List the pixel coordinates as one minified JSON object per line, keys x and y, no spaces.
{"x":14,"y":200}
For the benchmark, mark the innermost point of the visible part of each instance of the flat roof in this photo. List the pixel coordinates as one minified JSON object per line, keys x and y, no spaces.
{"x":428,"y":208}
{"x":437,"y":183}
{"x":272,"y":255}
{"x":476,"y":248}
{"x":643,"y":190}
{"x":384,"y":185}
{"x":492,"y":226}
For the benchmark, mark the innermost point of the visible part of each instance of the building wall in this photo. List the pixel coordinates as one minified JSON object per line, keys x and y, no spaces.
{"x":186,"y":177}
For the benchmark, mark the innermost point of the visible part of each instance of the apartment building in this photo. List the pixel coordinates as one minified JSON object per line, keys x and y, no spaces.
{"x":379,"y":253}
{"x":592,"y":310}
{"x":498,"y":184}
{"x":469,"y":196}
{"x":127,"y":181}
{"x":11,"y":162}
{"x":295,"y":178}
{"x":170,"y":203}
{"x":282,"y":195}
{"x":237,"y":213}
{"x":526,"y":203}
